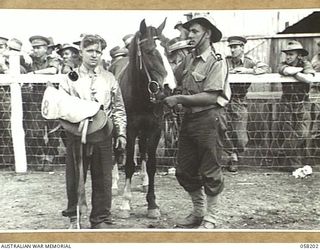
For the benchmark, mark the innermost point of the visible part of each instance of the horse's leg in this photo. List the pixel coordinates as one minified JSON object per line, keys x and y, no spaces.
{"x":129,"y":170}
{"x":153,"y":208}
{"x":143,"y":157}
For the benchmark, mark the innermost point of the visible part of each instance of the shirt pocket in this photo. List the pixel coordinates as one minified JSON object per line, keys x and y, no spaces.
{"x":196,"y":84}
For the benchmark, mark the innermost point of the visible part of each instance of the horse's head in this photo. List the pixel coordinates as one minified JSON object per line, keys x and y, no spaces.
{"x":151,"y":62}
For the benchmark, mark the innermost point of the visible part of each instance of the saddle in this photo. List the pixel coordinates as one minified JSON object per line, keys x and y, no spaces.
{"x":78,"y":116}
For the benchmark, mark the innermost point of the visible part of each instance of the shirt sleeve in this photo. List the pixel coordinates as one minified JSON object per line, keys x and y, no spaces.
{"x":118,"y":112}
{"x":307,"y":68}
{"x":281,"y":68}
{"x":260,"y":67}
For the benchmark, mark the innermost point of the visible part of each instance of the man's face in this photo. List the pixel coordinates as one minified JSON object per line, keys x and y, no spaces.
{"x":237,"y":50}
{"x":197,"y":34}
{"x":67,"y":55}
{"x":39,"y":51}
{"x":3,"y":48}
{"x":291,"y":57}
{"x":91,"y":55}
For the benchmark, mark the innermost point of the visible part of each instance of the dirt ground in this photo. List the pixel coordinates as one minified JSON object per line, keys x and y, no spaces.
{"x":250,"y":200}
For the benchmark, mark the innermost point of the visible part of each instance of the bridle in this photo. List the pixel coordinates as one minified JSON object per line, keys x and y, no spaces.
{"x":153,"y":86}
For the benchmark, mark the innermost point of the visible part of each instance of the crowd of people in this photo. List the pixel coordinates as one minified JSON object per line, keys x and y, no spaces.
{"x":215,"y":111}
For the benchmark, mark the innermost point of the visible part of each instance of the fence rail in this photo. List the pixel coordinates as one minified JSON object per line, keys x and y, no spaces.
{"x":261,"y":109}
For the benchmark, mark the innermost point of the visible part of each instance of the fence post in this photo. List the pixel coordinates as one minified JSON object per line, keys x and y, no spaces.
{"x":18,"y":135}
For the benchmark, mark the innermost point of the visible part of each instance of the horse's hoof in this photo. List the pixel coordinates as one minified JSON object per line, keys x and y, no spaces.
{"x":145,"y":189}
{"x":154,"y":213}
{"x":124,"y":214}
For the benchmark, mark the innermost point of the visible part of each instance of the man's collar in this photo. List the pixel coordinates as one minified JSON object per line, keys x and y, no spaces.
{"x":85,"y":70}
{"x":204,"y":56}
{"x":241,"y":59}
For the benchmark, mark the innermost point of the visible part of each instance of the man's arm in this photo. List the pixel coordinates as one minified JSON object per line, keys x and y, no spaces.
{"x":200,"y":99}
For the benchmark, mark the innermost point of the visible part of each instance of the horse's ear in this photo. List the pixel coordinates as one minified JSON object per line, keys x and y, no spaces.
{"x":161,"y":27}
{"x":143,"y":27}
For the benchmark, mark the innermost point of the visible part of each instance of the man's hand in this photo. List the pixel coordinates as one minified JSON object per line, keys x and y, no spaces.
{"x":121,"y":143}
{"x":171,"y":101}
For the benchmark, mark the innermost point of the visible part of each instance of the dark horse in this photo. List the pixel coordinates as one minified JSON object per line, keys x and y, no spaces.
{"x":142,"y":90}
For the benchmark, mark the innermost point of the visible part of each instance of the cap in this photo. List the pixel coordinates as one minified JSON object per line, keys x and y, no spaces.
{"x":14,"y":44}
{"x":68,"y":46}
{"x":179,"y":23}
{"x":117,"y":51}
{"x":127,"y":39}
{"x":207,"y":21}
{"x":52,"y":45}
{"x":237,"y":40}
{"x":3,"y":40}
{"x":39,"y":41}
{"x":293,"y":45}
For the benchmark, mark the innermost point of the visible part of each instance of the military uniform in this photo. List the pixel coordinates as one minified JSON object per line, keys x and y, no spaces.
{"x":237,"y":111}
{"x":46,"y":140}
{"x":293,"y":116}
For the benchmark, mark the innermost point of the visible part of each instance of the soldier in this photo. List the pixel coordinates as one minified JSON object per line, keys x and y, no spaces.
{"x":203,"y":76}
{"x":237,"y":111}
{"x":292,"y":124}
{"x":3,"y":44}
{"x":42,"y":63}
{"x":119,"y":62}
{"x":127,"y":40}
{"x":183,"y":31}
{"x":177,"y":51}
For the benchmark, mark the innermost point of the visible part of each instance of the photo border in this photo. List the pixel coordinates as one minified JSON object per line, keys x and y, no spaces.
{"x":152,"y":236}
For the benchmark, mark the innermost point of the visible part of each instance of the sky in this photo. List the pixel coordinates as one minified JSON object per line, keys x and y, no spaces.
{"x":65,"y":26}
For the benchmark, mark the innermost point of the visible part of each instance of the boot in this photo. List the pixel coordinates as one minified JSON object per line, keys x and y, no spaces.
{"x":209,"y":220}
{"x":195,"y":218}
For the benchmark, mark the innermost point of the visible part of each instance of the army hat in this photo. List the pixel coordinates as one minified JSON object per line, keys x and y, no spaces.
{"x":127,"y":39}
{"x":179,"y":23}
{"x":183,"y":44}
{"x":52,"y":44}
{"x":236,"y":40}
{"x":67,"y":46}
{"x":293,"y":45}
{"x":39,"y":41}
{"x":14,"y":44}
{"x":3,"y":40}
{"x":117,"y":51}
{"x":208,"y":22}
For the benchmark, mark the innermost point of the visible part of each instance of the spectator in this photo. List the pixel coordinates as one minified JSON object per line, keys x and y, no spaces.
{"x":119,"y":62}
{"x":205,"y":91}
{"x":3,"y":44}
{"x":42,"y":63}
{"x":127,"y":40}
{"x":177,"y":51}
{"x":237,"y":111}
{"x":315,"y":106}
{"x":70,"y":58}
{"x":293,"y":116}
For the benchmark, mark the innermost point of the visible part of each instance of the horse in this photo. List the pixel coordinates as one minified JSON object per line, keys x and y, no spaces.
{"x":142,"y":87}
